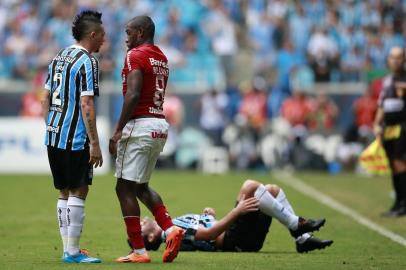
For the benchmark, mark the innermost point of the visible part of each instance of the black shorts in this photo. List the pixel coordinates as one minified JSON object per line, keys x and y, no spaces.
{"x":396,"y":148}
{"x":70,"y":169}
{"x":247,"y":233}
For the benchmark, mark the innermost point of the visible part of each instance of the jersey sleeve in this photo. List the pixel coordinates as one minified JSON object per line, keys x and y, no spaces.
{"x":134,"y":61}
{"x":189,"y":224}
{"x":90,"y":77}
{"x":47,"y":85}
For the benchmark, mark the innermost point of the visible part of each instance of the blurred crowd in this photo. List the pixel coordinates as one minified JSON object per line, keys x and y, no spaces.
{"x":259,"y":128}
{"x":268,"y":53}
{"x":335,"y":40}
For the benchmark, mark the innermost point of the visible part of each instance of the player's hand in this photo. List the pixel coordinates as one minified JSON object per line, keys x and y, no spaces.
{"x":247,"y":205}
{"x":378,"y":131}
{"x":113,"y":142}
{"x":209,"y":211}
{"x":96,"y":157}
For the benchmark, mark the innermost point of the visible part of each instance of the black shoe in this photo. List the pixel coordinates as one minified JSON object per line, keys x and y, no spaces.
{"x":398,"y":210}
{"x":312,"y":243}
{"x":307,"y":225}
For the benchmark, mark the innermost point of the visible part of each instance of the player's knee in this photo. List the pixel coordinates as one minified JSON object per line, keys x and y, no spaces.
{"x":80,"y":192}
{"x":273,"y":189}
{"x":64,"y":194}
{"x":249,"y":187}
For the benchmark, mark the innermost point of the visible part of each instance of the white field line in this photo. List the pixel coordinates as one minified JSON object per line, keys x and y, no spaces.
{"x":309,"y":191}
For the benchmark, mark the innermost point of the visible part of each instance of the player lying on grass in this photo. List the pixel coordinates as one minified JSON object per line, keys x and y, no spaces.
{"x":245,"y":227}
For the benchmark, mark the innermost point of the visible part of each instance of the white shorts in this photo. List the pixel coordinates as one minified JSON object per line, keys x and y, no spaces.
{"x":139,"y":147}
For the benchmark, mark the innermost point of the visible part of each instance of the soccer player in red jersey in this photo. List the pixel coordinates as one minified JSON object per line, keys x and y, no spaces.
{"x":140,"y":136}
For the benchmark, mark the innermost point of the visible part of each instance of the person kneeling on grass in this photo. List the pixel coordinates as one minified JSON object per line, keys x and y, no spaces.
{"x":244,"y":228}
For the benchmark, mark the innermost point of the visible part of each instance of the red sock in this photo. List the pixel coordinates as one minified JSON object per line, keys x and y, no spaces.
{"x":162,"y":217}
{"x":134,"y":232}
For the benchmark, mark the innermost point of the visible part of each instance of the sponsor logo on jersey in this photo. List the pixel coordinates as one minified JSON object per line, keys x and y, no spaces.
{"x":158,"y":63}
{"x":64,"y":58}
{"x":53,"y":129}
{"x":155,"y":111}
{"x":159,"y":135}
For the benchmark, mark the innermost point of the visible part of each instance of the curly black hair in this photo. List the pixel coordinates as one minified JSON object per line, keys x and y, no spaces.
{"x":85,"y":22}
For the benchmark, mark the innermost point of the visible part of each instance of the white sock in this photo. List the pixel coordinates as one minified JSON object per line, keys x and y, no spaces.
{"x":281,"y":198}
{"x":271,"y":207}
{"x":75,"y":216}
{"x":303,"y":237}
{"x":140,"y":251}
{"x":168,"y":231}
{"x":62,"y":222}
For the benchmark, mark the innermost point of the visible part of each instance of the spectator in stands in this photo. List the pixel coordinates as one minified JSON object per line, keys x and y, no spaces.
{"x":375,"y":56}
{"x":253,"y":105}
{"x":297,"y":109}
{"x":286,"y":61}
{"x":212,"y":107}
{"x":174,"y":110}
{"x":325,"y":112}
{"x":365,"y":110}
{"x":351,"y":65}
{"x":174,"y":32}
{"x":260,"y":33}
{"x":222,"y":32}
{"x":18,"y":46}
{"x":323,"y":54}
{"x":299,"y":28}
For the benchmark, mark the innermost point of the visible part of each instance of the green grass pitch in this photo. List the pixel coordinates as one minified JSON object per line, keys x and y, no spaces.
{"x":29,"y":237}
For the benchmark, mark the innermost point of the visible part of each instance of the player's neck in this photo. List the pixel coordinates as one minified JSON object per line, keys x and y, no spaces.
{"x":148,"y":42}
{"x":85,"y":45}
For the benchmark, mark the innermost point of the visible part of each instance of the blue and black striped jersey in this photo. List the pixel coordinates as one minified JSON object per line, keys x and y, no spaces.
{"x":190,"y":223}
{"x":71,"y":74}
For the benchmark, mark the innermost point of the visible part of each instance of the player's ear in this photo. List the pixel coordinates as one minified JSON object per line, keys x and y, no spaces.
{"x":92,"y":34}
{"x":151,"y":237}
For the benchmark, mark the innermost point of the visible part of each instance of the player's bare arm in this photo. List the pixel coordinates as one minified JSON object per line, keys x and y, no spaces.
{"x":134,"y":84}
{"x":244,"y":206}
{"x":45,"y":104}
{"x":89,"y":117}
{"x":378,"y":122}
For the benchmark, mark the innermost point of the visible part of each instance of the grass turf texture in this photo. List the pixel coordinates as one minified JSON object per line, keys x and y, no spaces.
{"x":29,"y":237}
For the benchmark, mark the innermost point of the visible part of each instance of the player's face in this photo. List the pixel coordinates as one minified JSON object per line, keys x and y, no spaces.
{"x":134,"y":36}
{"x":396,"y":60}
{"x":98,"y":38}
{"x":151,"y":229}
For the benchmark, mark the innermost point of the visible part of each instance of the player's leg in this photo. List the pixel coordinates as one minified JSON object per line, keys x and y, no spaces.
{"x":399,"y":183}
{"x":61,"y":207}
{"x":305,"y":242}
{"x":58,"y":159}
{"x":126,"y":193}
{"x":153,"y":201}
{"x":79,"y":175}
{"x":269,"y":205}
{"x":395,"y":150}
{"x":129,"y":165}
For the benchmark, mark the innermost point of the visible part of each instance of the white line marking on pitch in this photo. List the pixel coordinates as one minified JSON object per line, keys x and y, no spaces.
{"x":302,"y":187}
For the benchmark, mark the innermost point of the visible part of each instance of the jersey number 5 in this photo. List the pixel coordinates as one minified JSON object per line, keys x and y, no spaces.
{"x":159,"y":91}
{"x":56,"y":95}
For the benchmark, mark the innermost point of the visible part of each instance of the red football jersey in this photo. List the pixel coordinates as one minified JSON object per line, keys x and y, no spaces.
{"x":154,"y":66}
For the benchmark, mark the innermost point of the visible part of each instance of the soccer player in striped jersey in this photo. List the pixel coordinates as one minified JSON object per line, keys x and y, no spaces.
{"x":245,"y":227}
{"x":71,"y":134}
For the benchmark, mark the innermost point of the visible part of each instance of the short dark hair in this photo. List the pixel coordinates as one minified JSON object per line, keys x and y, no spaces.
{"x":154,"y":245}
{"x":145,"y":23}
{"x":85,"y":22}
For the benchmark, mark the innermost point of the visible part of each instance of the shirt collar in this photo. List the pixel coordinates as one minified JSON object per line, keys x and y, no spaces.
{"x":79,"y":47}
